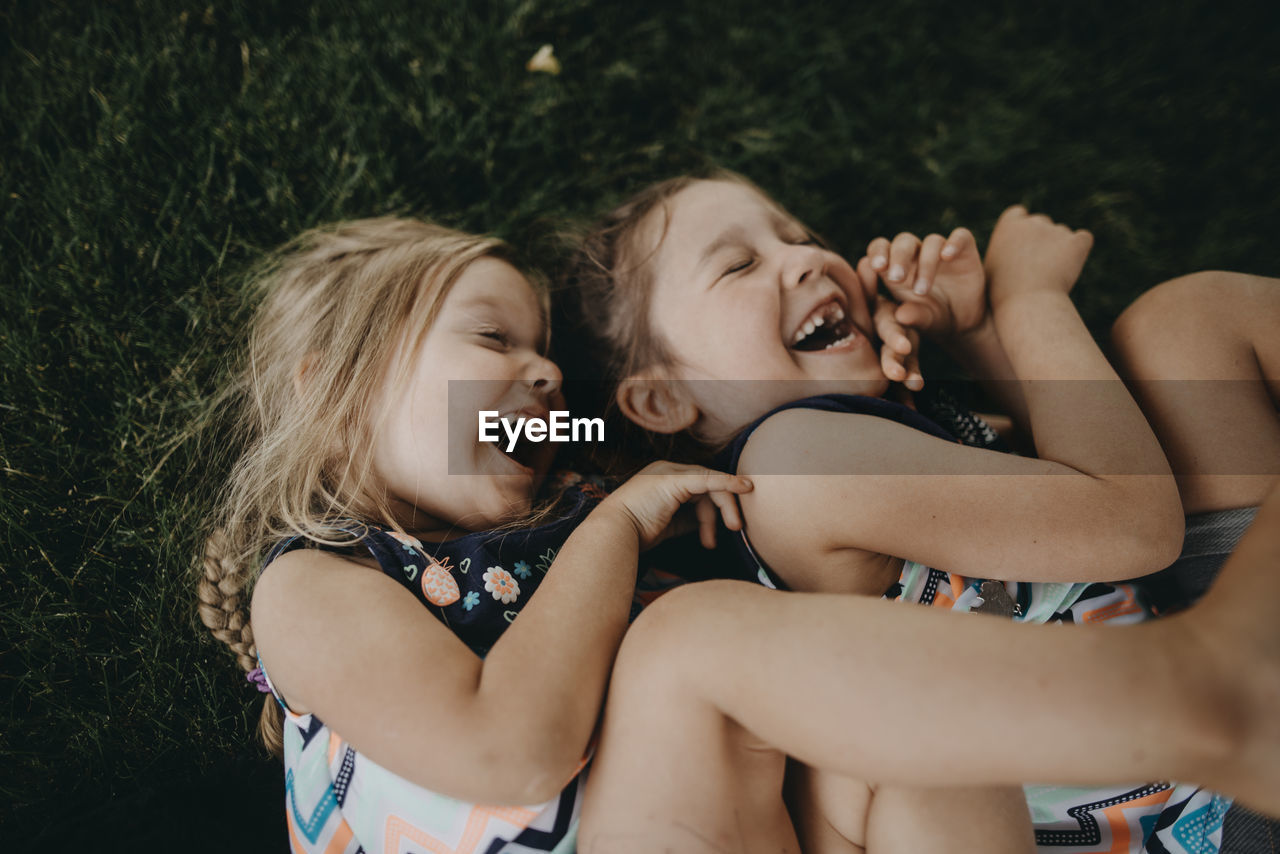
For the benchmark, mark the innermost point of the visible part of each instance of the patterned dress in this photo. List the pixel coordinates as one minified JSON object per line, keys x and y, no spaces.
{"x":1156,"y":818}
{"x":338,"y":800}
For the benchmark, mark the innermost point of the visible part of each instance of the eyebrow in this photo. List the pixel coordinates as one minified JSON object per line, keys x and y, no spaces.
{"x":481,"y":301}
{"x":729,"y":237}
{"x":486,"y":301}
{"x":783,"y":222}
{"x":737,"y":234}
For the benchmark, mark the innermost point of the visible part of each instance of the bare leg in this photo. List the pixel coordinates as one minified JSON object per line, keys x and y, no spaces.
{"x":672,"y":773}
{"x":834,"y":814}
{"x":1202,"y":357}
{"x":721,"y":673}
{"x":978,"y":819}
{"x":829,"y":810}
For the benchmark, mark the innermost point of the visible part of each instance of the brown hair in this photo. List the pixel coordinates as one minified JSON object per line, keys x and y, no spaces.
{"x":333,"y":306}
{"x":611,"y":274}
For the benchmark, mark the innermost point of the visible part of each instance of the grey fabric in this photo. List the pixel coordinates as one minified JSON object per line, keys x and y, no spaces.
{"x":1210,"y":537}
{"x":1217,"y":531}
{"x":1246,"y":832}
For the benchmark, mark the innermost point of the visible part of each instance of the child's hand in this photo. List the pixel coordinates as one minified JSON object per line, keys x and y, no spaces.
{"x":900,"y":346}
{"x":1030,"y":252}
{"x":651,"y":497}
{"x":938,"y":281}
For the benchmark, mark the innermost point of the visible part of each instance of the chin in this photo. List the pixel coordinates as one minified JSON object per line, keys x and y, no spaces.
{"x":877,"y":387}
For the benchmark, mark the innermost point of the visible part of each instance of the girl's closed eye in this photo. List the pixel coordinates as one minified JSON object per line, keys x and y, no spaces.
{"x":497,"y":335}
{"x":738,"y":266}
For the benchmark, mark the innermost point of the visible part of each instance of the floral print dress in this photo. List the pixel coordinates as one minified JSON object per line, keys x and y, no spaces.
{"x":338,"y":800}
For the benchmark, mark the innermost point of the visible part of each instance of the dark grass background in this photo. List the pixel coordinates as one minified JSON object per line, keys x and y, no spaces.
{"x":149,"y":152}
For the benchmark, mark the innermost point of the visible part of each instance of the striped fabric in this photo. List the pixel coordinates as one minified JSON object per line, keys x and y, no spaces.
{"x":340,"y":802}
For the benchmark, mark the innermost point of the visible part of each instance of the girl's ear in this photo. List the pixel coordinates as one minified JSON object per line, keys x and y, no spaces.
{"x":656,"y":403}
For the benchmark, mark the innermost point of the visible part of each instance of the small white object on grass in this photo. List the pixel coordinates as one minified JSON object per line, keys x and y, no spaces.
{"x":544,"y":60}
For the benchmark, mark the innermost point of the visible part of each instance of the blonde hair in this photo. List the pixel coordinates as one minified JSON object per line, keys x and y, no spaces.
{"x":334,"y":306}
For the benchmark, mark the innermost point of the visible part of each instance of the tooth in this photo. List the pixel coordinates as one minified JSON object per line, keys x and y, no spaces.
{"x":818,"y":321}
{"x":808,"y":327}
{"x":799,"y":336}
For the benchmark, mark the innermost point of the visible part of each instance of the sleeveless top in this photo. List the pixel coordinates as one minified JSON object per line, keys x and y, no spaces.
{"x":338,"y":800}
{"x":1031,"y":601}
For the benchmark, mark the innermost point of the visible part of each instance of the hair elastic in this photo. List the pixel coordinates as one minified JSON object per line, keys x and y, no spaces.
{"x":259,"y":679}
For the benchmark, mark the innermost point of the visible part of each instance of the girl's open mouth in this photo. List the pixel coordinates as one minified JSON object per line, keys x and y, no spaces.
{"x":524,"y":454}
{"x":826,"y":328}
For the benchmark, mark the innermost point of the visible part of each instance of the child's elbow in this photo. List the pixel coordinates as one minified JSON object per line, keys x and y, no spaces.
{"x":1166,"y":541}
{"x":1154,"y":529}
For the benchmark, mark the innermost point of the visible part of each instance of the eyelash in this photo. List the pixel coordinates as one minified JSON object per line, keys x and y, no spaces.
{"x":739,"y":266}
{"x":497,"y":335}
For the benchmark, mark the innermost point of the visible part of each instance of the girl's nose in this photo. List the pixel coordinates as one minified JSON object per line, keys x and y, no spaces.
{"x":544,"y":376}
{"x":802,"y":264}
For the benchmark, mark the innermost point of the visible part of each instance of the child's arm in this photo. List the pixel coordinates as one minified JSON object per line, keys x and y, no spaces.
{"x":942,"y":290}
{"x":1100,"y":504}
{"x":353,"y":647}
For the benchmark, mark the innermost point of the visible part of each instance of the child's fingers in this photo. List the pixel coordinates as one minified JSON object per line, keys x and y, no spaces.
{"x":893,"y":364}
{"x":878,"y":252}
{"x":729,"y":510}
{"x":698,"y":480}
{"x":913,"y":315}
{"x":705,"y":510}
{"x":915,"y":379}
{"x":866,"y":276}
{"x":960,"y":241}
{"x":902,"y":258}
{"x":1011,"y":214}
{"x":904,"y":366}
{"x":930,"y":255}
{"x":888,"y":328}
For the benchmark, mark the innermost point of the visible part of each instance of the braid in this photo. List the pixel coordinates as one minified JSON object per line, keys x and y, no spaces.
{"x":221,"y":593}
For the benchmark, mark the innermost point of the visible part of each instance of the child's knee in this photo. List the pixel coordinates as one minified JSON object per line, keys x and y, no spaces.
{"x":1167,"y":301}
{"x":671,"y":631}
{"x":1161,"y":327}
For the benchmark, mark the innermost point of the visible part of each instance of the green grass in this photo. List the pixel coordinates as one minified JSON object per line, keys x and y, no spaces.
{"x":149,"y":152}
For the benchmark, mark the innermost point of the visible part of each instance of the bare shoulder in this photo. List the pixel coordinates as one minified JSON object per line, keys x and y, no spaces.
{"x":816,"y":442}
{"x":319,"y":618}
{"x":793,"y":459}
{"x":812,"y":441}
{"x":306,"y":579}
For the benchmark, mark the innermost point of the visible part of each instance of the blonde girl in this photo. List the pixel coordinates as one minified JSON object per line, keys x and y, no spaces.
{"x":700,"y":283}
{"x":412,"y":708}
